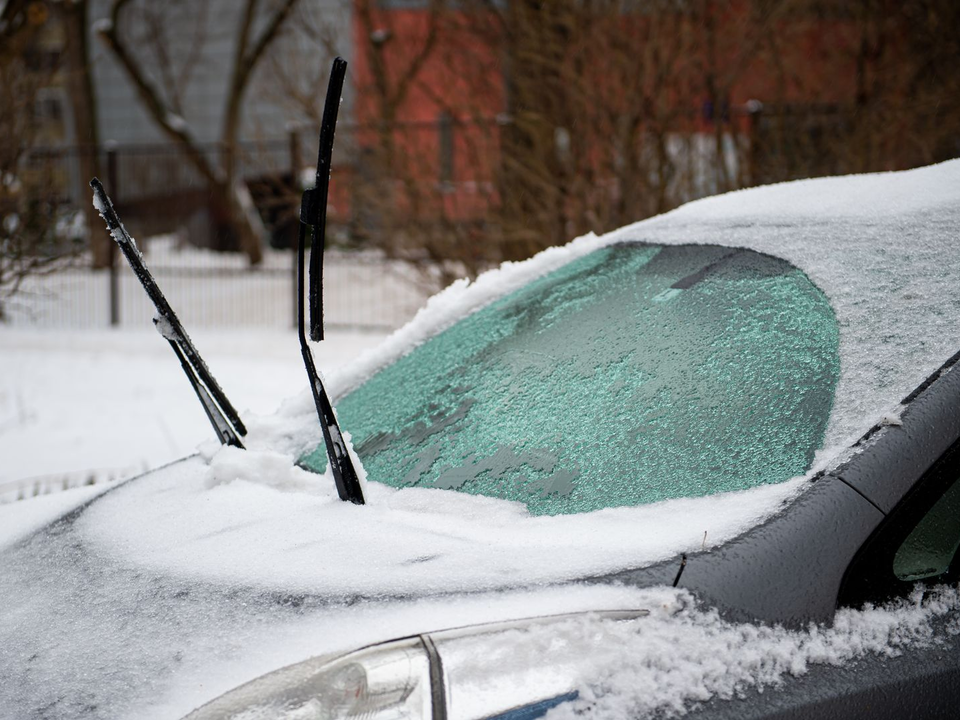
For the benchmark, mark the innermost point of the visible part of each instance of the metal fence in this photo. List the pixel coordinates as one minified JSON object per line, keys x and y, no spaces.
{"x":452,"y":170}
{"x":209,"y":289}
{"x":165,"y":202}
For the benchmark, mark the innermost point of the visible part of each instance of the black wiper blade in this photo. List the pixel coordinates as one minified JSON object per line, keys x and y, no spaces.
{"x":314,"y":205}
{"x":222,"y":415}
{"x":221,"y":426}
{"x":313,"y":212}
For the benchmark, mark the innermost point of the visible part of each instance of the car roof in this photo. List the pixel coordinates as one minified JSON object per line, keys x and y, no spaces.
{"x":883,"y":247}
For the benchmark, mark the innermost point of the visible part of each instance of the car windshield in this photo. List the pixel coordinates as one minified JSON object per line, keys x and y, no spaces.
{"x":634,"y":374}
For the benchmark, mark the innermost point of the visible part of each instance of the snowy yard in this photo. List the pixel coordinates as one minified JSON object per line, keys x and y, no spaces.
{"x":102,"y":405}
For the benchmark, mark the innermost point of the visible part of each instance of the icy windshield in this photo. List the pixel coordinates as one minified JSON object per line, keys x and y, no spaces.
{"x":634,"y":374}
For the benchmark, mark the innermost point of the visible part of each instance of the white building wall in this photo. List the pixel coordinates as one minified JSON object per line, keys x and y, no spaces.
{"x":267,"y":113}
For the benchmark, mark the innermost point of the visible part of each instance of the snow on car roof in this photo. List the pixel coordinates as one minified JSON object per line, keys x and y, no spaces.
{"x":883,"y":248}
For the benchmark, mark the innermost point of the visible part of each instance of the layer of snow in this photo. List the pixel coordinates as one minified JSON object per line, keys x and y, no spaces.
{"x":252,"y":518}
{"x":660,"y":665}
{"x":20,"y":519}
{"x":103,"y":25}
{"x":664,"y":664}
{"x":345,"y":628}
{"x":176,"y":122}
{"x":97,"y":405}
{"x":869,"y":197}
{"x":119,"y":234}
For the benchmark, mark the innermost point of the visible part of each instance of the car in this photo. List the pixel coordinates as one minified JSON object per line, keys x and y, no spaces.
{"x":706,"y":465}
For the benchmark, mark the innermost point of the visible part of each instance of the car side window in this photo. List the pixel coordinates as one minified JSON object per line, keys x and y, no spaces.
{"x":931,"y":546}
{"x":916,"y":543}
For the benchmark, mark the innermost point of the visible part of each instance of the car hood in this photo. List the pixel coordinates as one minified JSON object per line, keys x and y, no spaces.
{"x":85,"y":633}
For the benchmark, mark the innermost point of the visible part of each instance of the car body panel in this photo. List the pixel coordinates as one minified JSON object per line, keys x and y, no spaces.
{"x":918,"y":682}
{"x":902,"y":451}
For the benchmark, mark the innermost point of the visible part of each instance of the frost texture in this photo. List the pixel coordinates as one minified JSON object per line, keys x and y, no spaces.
{"x":635,"y":374}
{"x":882,"y":247}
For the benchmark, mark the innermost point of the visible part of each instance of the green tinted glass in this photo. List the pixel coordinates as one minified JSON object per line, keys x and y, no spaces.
{"x":929,"y":549}
{"x":634,"y":374}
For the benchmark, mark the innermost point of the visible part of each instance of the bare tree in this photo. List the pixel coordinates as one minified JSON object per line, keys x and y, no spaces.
{"x":596,"y":97}
{"x":255,"y":33}
{"x":78,"y":72}
{"x":295,"y":75}
{"x":932,"y":91}
{"x":615,"y":110}
{"x":399,"y":193}
{"x":34,"y":237}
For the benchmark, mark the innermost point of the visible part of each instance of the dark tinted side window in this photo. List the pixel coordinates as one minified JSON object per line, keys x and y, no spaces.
{"x":929,"y":549}
{"x":917,"y":542}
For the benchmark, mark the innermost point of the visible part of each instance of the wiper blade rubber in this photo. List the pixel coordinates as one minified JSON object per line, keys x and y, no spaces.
{"x":222,"y":415}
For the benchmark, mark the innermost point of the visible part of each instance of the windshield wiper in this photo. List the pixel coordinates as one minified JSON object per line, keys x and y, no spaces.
{"x":222,"y":415}
{"x":313,"y":212}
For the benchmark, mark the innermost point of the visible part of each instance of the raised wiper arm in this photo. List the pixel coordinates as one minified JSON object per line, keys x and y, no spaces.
{"x":313,"y":212}
{"x":313,"y":208}
{"x":222,"y":415}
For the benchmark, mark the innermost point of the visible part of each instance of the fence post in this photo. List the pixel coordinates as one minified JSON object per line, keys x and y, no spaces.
{"x":295,"y":184}
{"x":755,"y":110}
{"x":114,"y":272}
{"x":294,"y":139}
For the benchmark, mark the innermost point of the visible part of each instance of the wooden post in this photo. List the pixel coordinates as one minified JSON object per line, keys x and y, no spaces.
{"x":113,"y":184}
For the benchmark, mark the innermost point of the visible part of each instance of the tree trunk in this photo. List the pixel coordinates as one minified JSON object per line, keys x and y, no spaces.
{"x":79,"y":83}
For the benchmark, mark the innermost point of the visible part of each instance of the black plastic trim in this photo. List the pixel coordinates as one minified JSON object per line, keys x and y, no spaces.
{"x":897,"y":456}
{"x":870,"y":576}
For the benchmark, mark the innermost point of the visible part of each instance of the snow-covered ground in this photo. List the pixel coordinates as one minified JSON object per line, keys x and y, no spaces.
{"x":100,"y":405}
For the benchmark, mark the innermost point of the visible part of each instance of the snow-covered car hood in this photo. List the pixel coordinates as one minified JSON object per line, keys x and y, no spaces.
{"x":87,"y":636}
{"x":226,"y":565}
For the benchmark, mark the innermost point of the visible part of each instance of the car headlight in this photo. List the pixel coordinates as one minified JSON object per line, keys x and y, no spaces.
{"x":515,"y":669}
{"x":390,"y":680}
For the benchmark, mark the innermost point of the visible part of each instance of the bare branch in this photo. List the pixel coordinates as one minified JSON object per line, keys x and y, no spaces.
{"x":151,"y":97}
{"x":416,"y":63}
{"x":243,"y":67}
